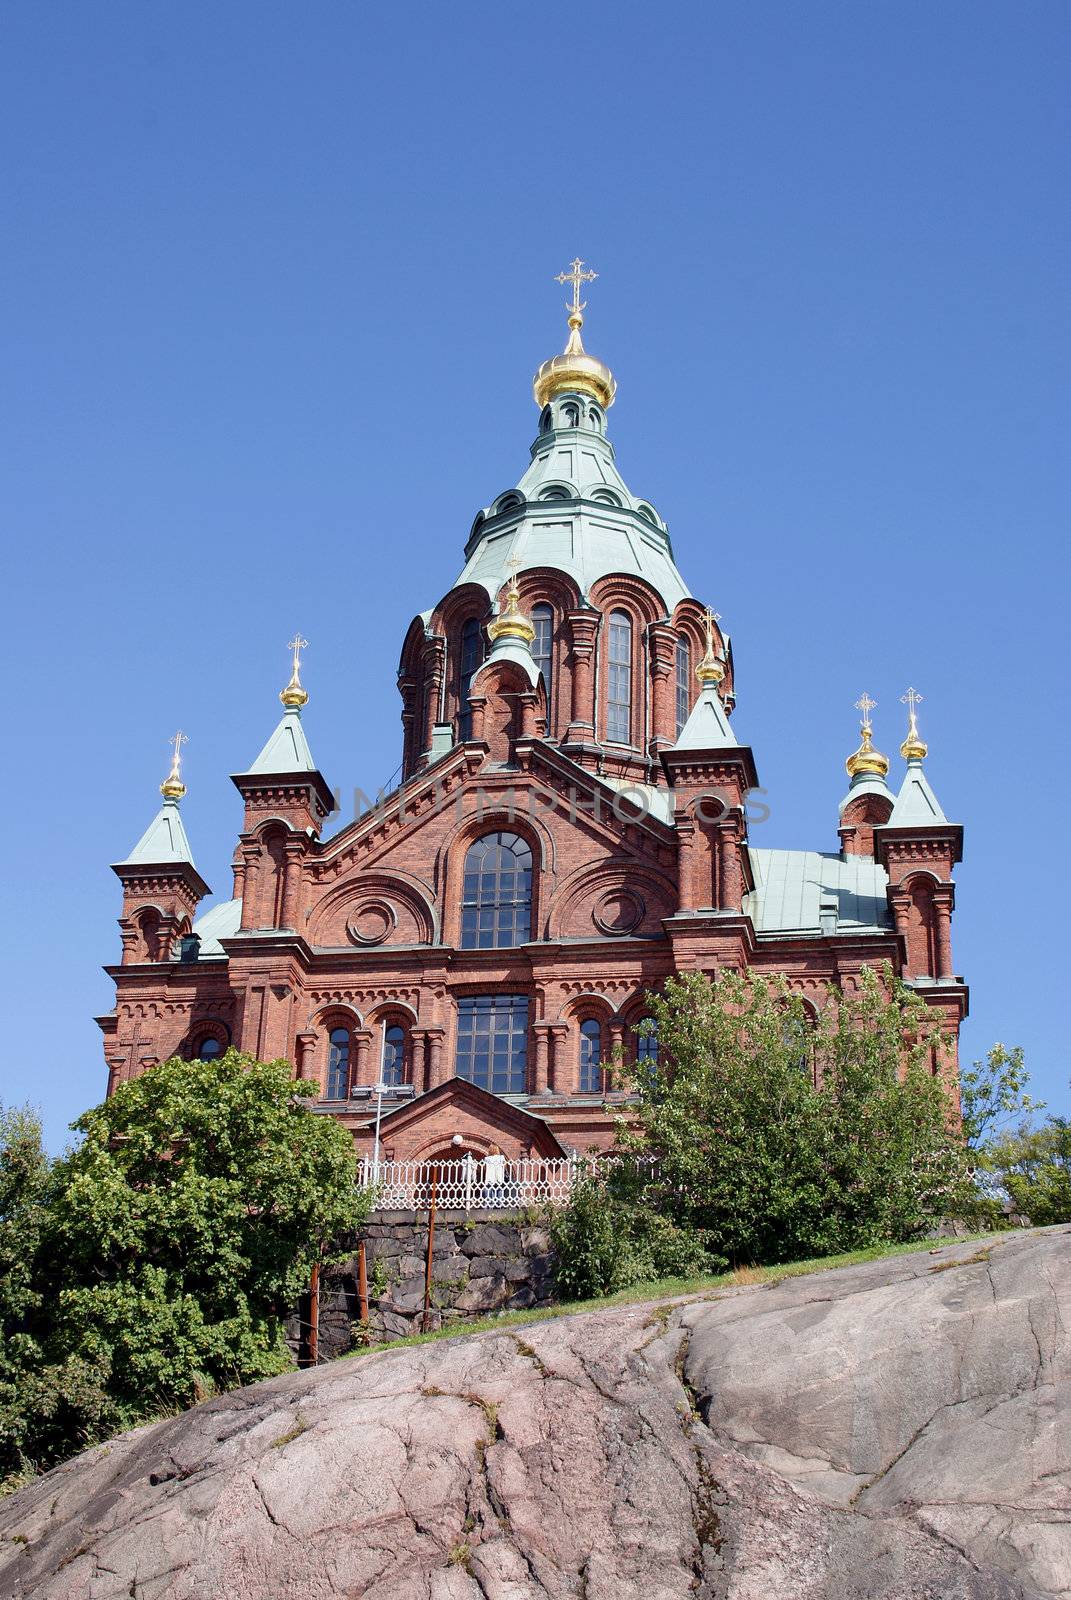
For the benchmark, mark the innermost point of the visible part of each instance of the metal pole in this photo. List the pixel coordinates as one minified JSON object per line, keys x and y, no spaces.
{"x":379,"y":1113}
{"x":431,"y":1247}
{"x":314,"y":1314}
{"x":362,"y":1283}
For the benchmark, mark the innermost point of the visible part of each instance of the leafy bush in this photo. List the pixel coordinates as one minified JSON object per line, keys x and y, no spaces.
{"x":778,"y":1137}
{"x":607,"y":1238}
{"x":165,"y":1251}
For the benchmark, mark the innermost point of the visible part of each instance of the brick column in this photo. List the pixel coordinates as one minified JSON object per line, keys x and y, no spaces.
{"x":617,"y":1050}
{"x":942,"y":905}
{"x":542,"y":1057}
{"x":291,"y":882}
{"x":686,"y":897}
{"x":730,"y":878}
{"x":363,"y":1069}
{"x":584,"y":626}
{"x":434,"y":666}
{"x":305,"y":1060}
{"x":436,"y":1057}
{"x":251,"y":879}
{"x":663,"y":655}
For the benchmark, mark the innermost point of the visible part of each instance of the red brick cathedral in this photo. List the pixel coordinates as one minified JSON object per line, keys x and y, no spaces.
{"x":572,"y":827}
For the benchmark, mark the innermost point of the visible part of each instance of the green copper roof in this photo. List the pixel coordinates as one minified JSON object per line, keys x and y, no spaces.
{"x":866,"y":783}
{"x":221,"y":922}
{"x":707,"y":727}
{"x":916,"y":805}
{"x":573,"y":511}
{"x":287,"y":750}
{"x":163,"y":840}
{"x":806,"y":891}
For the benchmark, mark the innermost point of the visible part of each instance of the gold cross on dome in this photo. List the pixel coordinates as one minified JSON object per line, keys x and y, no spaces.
{"x":710,"y":618}
{"x":866,"y":706}
{"x":297,"y":644}
{"x":176,"y":742}
{"x":911,"y":699}
{"x":576,"y":276}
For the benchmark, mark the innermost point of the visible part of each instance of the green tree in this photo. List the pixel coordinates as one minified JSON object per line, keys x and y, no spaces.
{"x":993,"y":1094}
{"x":777,"y":1135}
{"x":24,"y":1171}
{"x":175,"y":1239}
{"x":1033,"y":1166}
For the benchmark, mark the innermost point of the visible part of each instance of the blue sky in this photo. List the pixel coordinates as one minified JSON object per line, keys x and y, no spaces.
{"x":274,"y":284}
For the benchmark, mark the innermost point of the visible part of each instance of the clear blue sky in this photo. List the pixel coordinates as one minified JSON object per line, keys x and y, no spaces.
{"x":274,"y":282}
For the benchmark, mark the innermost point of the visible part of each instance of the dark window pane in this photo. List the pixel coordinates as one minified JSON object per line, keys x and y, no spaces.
{"x":684,"y":683}
{"x":497,"y":893}
{"x":471,"y":657}
{"x":590,"y":1057}
{"x":619,"y":679}
{"x":338,"y":1064}
{"x":394,"y":1055}
{"x":543,"y":644}
{"x":492,"y":1042}
{"x":209,"y":1049}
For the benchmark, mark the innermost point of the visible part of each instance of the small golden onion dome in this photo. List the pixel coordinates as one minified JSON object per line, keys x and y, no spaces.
{"x":294,"y":696}
{"x":511,"y":622}
{"x":914,"y":747}
{"x":712,"y":668}
{"x":173,"y":787}
{"x":574,"y":372}
{"x":866,"y":759}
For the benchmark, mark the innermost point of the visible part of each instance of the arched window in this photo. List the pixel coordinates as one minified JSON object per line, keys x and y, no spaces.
{"x":338,"y":1064}
{"x":471,"y":656}
{"x":647,"y":1042}
{"x":684,"y":683}
{"x":394,"y":1055}
{"x":543,"y":643}
{"x":619,"y":683}
{"x":209,"y":1048}
{"x":496,"y":897}
{"x":590,"y":1080}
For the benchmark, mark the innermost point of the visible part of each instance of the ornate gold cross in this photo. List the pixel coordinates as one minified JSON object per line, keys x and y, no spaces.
{"x":297,"y":644}
{"x":710,"y":618}
{"x":911,"y":699}
{"x":866,"y":706}
{"x":576,"y":276}
{"x":177,"y":741}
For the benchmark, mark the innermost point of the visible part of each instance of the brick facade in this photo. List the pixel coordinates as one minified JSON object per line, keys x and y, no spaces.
{"x":360,"y":932}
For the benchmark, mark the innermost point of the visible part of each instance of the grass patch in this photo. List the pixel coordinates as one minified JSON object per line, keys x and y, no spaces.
{"x":668,"y":1289}
{"x":300,"y":1427}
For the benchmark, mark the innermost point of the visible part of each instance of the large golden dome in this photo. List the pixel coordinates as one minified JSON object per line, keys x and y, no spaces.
{"x":574,"y":371}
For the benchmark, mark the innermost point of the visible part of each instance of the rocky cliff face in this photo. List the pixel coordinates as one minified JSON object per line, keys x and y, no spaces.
{"x":897,"y":1429}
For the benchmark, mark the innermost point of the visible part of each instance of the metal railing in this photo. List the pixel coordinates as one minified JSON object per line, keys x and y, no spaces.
{"x":472,"y":1185}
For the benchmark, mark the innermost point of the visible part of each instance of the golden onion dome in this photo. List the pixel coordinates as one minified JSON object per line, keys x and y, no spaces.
{"x":173,"y":787}
{"x":866,"y":761}
{"x":574,"y":371}
{"x":511,"y":623}
{"x":914,"y":747}
{"x":295,"y":695}
{"x":711,"y":670}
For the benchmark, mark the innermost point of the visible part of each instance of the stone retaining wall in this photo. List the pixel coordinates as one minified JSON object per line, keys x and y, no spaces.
{"x":496,"y":1262}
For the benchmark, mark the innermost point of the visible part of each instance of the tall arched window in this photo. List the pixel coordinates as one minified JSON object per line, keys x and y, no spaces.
{"x":496,"y":896}
{"x":338,"y":1064}
{"x":647,"y":1042}
{"x":590,"y":1080}
{"x":471,"y":656}
{"x":394,"y":1055}
{"x":543,"y":644}
{"x":684,"y":683}
{"x":619,"y":680}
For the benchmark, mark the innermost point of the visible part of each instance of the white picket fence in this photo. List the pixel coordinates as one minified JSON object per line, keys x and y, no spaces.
{"x":471,"y":1185}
